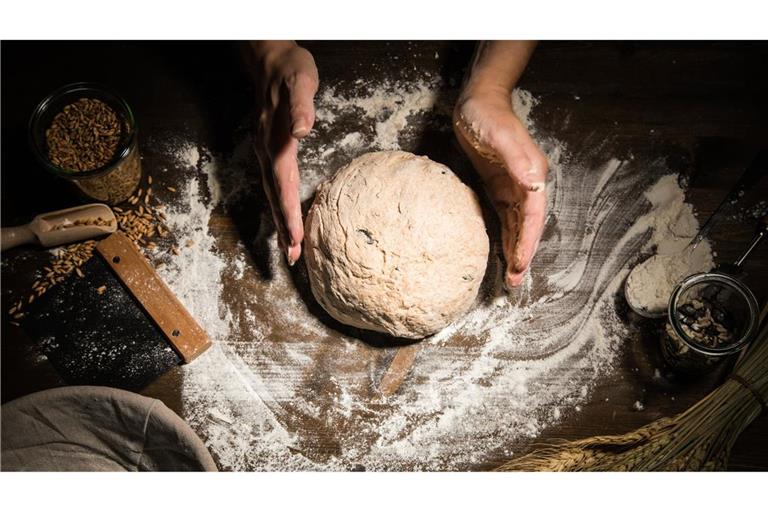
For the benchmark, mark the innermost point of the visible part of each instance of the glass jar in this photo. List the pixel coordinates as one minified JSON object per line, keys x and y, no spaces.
{"x":710,"y":317}
{"x":117,"y":179}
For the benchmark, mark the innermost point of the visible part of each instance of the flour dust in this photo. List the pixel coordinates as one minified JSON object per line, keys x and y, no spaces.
{"x":282,"y":389}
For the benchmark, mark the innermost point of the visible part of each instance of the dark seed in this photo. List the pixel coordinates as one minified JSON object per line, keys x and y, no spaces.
{"x":688,"y":310}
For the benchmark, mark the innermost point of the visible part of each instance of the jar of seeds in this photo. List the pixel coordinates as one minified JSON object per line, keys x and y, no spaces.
{"x":710,"y":317}
{"x":87,"y":134}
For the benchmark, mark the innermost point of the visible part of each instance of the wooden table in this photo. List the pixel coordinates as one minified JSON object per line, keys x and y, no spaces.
{"x":703,"y":103}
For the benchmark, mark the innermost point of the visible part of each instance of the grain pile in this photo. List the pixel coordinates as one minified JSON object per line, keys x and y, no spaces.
{"x":93,"y":145}
{"x":98,"y":221}
{"x":706,"y":323}
{"x":85,"y":135}
{"x":141,"y":220}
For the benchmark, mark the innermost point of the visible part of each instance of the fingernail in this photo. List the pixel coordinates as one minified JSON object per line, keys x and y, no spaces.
{"x":291,"y":261}
{"x":299,"y":129}
{"x":512,"y":281}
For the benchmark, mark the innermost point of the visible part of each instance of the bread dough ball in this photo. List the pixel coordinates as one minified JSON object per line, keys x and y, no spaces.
{"x":396,"y":243}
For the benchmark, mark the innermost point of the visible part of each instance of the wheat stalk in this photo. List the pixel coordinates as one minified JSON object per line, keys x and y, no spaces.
{"x":700,"y":438}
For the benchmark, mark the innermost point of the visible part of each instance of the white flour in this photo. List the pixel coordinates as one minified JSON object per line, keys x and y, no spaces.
{"x":389,"y":105}
{"x":277,"y":376}
{"x":651,"y":283}
{"x":187,"y":154}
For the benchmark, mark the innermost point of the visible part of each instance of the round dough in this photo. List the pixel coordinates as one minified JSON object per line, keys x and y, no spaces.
{"x":396,"y":243}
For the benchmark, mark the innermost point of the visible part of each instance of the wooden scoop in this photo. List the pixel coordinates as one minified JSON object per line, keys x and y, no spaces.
{"x":62,"y":227}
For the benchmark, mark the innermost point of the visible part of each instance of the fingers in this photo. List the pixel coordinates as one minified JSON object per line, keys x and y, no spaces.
{"x":285,"y":172}
{"x":527,"y":166}
{"x":268,"y":183}
{"x":302,"y":88}
{"x":287,"y":85}
{"x":280,"y":178}
{"x":529,"y":229}
{"x":509,"y":232}
{"x":525,"y":163}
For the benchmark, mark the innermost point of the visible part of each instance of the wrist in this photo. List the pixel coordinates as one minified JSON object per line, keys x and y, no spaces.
{"x":497,"y":66}
{"x":486,"y":79}
{"x":263,"y":49}
{"x":484,"y":89}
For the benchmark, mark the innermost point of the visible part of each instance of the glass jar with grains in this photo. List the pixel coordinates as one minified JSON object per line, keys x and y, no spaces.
{"x":710,"y":317}
{"x":87,"y":134}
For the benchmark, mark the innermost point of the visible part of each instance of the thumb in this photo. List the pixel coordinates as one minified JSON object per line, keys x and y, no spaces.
{"x":302,"y":91}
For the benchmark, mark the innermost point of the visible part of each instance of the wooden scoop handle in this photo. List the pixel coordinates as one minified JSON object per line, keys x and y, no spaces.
{"x":15,"y":236}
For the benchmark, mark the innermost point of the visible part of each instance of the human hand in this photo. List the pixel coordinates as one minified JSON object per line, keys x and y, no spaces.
{"x":286,"y":82}
{"x":513,"y":170}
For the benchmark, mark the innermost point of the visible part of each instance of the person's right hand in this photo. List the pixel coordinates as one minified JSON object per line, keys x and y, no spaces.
{"x":513,"y":170}
{"x":286,"y":82}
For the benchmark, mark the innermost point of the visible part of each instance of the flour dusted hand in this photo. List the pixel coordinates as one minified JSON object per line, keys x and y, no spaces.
{"x":396,"y":243}
{"x":513,"y":170}
{"x":502,"y":151}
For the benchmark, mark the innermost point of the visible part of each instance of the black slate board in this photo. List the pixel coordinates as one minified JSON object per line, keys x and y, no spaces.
{"x":99,"y":339}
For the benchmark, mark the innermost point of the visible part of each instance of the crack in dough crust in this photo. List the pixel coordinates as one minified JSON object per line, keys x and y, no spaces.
{"x":396,"y":243}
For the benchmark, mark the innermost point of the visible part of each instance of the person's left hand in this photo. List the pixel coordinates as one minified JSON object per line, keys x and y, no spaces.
{"x":513,"y":170}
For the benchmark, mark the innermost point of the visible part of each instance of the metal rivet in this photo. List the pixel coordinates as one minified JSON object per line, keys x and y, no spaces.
{"x":116,"y":259}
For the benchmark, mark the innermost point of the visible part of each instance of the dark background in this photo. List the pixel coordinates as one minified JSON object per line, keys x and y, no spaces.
{"x":699,"y":105}
{"x":697,"y":94}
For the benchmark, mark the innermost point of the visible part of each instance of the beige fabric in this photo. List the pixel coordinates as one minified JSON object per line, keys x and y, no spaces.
{"x":92,"y":428}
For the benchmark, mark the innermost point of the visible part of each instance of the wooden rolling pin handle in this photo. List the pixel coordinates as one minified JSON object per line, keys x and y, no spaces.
{"x":15,"y":236}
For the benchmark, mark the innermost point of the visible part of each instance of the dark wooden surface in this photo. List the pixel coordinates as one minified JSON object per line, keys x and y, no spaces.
{"x":700,"y":106}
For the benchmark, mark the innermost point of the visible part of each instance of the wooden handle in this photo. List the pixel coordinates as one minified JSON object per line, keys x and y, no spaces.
{"x":135,"y":272}
{"x":15,"y":236}
{"x":399,"y":368}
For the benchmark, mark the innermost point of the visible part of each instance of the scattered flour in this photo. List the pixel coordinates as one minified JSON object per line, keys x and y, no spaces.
{"x":281,"y":390}
{"x":390,"y":105}
{"x":240,"y":265}
{"x":195,"y":277}
{"x":352,"y":140}
{"x":650,"y":284}
{"x":187,"y":154}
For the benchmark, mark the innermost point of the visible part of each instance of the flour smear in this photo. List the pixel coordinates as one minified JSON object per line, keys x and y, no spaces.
{"x":277,"y":374}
